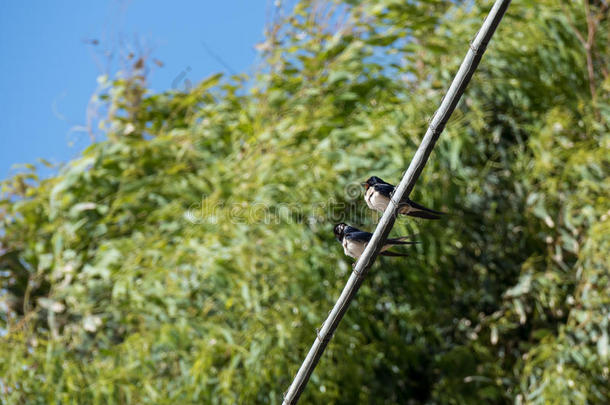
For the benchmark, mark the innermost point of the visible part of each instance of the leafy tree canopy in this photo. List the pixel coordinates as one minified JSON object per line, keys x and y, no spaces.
{"x":189,"y":257}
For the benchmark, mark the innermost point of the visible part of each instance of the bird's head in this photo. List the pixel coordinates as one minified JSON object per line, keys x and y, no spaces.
{"x":340,"y":231}
{"x":372,"y":181}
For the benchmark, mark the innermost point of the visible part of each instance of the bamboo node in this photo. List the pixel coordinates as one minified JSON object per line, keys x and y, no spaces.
{"x":357,"y":273}
{"x":326,"y":338}
{"x":477,"y":50}
{"x":394,"y":203}
{"x":435,"y":130}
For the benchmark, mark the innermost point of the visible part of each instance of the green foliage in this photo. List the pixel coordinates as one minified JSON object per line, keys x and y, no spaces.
{"x":189,"y":257}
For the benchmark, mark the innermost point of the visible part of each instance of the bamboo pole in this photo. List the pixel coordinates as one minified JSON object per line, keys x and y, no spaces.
{"x":448,"y":104}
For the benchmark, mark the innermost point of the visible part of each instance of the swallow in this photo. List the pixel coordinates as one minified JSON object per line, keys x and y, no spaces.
{"x":354,"y":241}
{"x":377,"y":195}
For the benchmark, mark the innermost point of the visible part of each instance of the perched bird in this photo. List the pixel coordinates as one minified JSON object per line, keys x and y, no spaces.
{"x":377,"y":196}
{"x":354,"y":241}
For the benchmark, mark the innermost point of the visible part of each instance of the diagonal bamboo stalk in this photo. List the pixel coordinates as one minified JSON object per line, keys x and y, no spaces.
{"x":448,"y":104}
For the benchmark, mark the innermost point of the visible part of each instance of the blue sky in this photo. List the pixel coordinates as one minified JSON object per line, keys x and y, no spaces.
{"x":49,"y":69}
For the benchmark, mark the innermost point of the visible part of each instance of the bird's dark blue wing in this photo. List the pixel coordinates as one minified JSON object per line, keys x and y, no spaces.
{"x":384,"y":189}
{"x":359,"y":236}
{"x":418,"y":210}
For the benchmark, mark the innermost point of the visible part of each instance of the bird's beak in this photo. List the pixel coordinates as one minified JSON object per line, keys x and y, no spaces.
{"x":363,"y":184}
